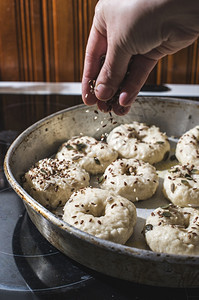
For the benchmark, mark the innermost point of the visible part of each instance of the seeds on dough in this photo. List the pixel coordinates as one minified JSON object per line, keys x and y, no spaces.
{"x":113,"y":217}
{"x":173,"y":230}
{"x":187,"y":149}
{"x":49,"y":181}
{"x":181,"y":185}
{"x":131,"y":178}
{"x":137,"y":140}
{"x":92,"y":155}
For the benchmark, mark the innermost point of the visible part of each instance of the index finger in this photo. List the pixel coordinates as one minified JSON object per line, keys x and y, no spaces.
{"x":96,"y":48}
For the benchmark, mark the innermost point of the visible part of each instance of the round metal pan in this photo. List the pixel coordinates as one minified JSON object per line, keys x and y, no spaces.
{"x":133,"y":261}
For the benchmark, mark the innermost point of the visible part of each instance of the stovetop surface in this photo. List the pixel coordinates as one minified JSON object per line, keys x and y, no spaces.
{"x":31,"y":268}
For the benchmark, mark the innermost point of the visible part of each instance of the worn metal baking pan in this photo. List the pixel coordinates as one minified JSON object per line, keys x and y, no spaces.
{"x":133,"y":261}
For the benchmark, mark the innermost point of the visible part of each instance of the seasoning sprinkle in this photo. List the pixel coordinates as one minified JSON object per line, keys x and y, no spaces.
{"x":80,"y":146}
{"x":97,"y":161}
{"x":69,"y":147}
{"x":166,"y":214}
{"x":173,"y":187}
{"x":77,"y":157}
{"x":113,"y":205}
{"x":147,"y":227}
{"x":195,"y":171}
{"x":101,"y":179}
{"x":185,"y":182}
{"x":92,"y":86}
{"x":160,"y":142}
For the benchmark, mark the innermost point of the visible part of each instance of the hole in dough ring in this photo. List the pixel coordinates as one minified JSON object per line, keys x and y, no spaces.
{"x":101,"y":213}
{"x":173,"y":230}
{"x":131,"y":178}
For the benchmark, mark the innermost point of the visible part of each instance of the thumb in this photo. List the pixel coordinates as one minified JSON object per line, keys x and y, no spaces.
{"x":112,"y":73}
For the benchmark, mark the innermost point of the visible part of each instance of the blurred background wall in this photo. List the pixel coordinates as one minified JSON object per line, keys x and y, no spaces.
{"x":44,"y":40}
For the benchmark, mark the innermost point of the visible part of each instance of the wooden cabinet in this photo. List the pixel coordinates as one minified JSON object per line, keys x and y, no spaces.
{"x":44,"y":40}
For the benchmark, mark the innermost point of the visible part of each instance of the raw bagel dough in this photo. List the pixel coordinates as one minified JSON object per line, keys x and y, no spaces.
{"x":137,"y":140}
{"x":173,"y":230}
{"x":131,"y":178}
{"x":51,"y":181}
{"x":92,"y":155}
{"x":187,"y":149}
{"x":101,"y":213}
{"x":181,"y":185}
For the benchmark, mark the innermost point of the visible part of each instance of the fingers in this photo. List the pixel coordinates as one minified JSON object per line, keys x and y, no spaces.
{"x":112,"y":72}
{"x":109,"y":75}
{"x":115,"y":107}
{"x":96,"y":48}
{"x":139,"y":69}
{"x":120,"y":110}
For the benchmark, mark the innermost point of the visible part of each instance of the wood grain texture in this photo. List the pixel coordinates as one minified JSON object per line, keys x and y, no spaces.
{"x":45,"y":40}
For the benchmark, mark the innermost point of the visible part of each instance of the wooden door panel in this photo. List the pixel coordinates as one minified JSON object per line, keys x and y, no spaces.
{"x":44,"y":40}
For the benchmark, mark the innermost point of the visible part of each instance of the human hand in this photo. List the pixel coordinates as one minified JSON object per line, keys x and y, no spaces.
{"x":133,"y":35}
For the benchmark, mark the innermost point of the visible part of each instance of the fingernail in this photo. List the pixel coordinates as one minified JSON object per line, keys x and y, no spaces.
{"x":103,"y":92}
{"x":128,"y":103}
{"x":125,"y":99}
